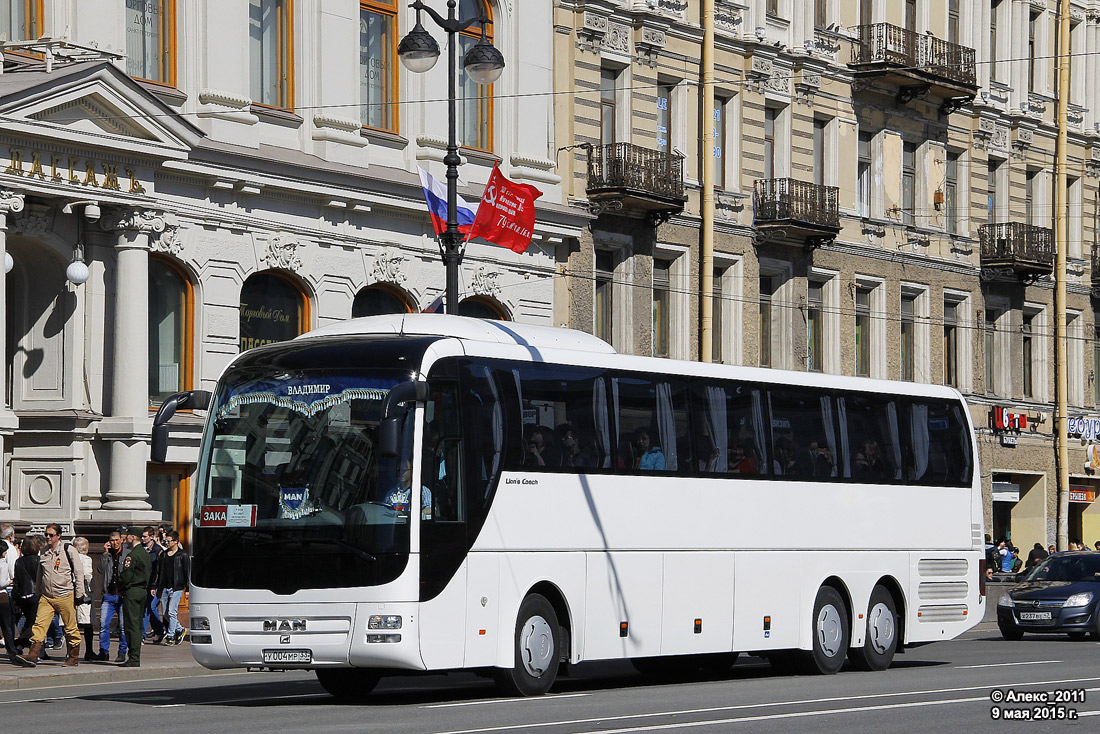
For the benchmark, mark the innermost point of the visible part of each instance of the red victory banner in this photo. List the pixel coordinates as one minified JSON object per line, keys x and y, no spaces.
{"x":506,"y":215}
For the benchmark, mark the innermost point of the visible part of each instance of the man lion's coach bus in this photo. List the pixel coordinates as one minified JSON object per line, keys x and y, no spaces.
{"x":430,"y":493}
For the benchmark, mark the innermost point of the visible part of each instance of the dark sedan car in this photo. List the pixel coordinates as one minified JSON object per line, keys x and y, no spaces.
{"x":1061,"y":594}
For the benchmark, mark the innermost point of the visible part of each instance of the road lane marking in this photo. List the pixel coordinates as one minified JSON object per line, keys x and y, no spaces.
{"x":768,"y":704}
{"x":1005,"y":665}
{"x":119,"y":682}
{"x":504,"y":700}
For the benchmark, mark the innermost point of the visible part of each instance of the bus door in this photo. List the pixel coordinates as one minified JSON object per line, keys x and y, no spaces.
{"x":443,"y":543}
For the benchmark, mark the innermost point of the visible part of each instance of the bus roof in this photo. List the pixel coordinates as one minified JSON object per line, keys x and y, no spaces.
{"x":467,"y":329}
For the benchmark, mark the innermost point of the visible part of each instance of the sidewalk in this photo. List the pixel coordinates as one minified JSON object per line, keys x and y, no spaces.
{"x":157,"y":661}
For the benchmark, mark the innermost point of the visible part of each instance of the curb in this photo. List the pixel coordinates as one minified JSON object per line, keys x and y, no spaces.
{"x":39,"y":678}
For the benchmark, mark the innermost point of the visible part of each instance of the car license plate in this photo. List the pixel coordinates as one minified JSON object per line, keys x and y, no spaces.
{"x":288,"y":656}
{"x":1034,"y":616}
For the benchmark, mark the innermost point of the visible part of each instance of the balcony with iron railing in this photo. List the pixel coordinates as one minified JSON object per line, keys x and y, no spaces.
{"x":636,"y":177}
{"x":1026,"y":250}
{"x":916,"y":63}
{"x":800,"y":208}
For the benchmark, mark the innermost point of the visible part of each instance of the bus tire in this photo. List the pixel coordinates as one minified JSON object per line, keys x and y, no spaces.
{"x":348,"y":684}
{"x":537,"y":645}
{"x":830,"y":634}
{"x":881,"y":641}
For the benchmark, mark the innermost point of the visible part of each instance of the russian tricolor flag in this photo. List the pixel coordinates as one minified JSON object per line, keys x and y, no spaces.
{"x":435,"y":193}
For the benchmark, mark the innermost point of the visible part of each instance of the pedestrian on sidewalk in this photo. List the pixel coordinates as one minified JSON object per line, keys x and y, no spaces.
{"x":174,"y":572}
{"x":84,"y":611}
{"x":133,"y":583}
{"x":25,"y":590}
{"x":6,"y":625}
{"x":110,"y":564}
{"x":60,"y":587}
{"x":151,"y":618}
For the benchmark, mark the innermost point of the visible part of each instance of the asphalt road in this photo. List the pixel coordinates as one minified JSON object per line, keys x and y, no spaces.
{"x":949,"y":686}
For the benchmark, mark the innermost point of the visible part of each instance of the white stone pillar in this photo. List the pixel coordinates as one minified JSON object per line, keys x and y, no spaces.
{"x":11,"y":202}
{"x":130,"y":426}
{"x":1018,"y":26}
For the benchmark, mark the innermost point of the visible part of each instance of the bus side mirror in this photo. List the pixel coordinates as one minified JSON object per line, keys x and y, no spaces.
{"x":192,"y":400}
{"x":393,"y":418}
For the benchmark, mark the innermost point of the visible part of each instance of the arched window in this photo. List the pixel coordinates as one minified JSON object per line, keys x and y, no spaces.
{"x":475,"y":107}
{"x":378,"y":64}
{"x":273,"y":309}
{"x":171,"y":307}
{"x":376,"y":300}
{"x":478,"y":307}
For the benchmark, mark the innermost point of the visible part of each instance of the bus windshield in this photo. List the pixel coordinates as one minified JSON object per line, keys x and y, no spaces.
{"x":292,"y":493}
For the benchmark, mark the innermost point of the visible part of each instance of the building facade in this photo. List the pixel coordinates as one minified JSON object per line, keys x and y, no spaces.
{"x":884,"y":198}
{"x":184,"y":180}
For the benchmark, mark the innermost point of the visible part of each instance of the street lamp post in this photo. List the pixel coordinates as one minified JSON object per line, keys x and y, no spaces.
{"x":483,"y":63}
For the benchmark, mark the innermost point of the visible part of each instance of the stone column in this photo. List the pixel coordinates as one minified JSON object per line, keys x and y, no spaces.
{"x":11,"y":202}
{"x":1017,"y":75}
{"x":129,"y":427}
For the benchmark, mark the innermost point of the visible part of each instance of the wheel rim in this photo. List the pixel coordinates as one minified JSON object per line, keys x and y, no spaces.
{"x":829,"y":630}
{"x":880,"y":628}
{"x":536,"y":646}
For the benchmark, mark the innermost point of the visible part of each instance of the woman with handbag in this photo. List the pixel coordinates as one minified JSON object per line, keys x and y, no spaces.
{"x":84,"y":611}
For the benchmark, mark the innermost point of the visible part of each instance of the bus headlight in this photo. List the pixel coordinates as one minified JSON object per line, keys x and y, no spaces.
{"x":1078,"y":600}
{"x":1006,"y":601}
{"x":200,"y":623}
{"x":384,"y":622}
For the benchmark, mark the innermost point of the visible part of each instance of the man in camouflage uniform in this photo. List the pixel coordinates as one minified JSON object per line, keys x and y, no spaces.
{"x":133,"y":584}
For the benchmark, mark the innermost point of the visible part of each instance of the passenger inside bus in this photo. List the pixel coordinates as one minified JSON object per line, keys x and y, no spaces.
{"x":650,"y":457}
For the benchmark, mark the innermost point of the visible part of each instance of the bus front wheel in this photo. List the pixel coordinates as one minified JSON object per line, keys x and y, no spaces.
{"x":882,"y":633}
{"x":537,"y":650}
{"x":348,"y":684}
{"x":830,"y":634}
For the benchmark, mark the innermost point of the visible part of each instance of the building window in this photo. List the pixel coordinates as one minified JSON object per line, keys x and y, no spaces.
{"x":1075,"y":214}
{"x":908,"y":335}
{"x":168,"y":486}
{"x":992,"y":385}
{"x":481,"y":307}
{"x":953,"y":21}
{"x":661,"y":305}
{"x":171,"y":302}
{"x":951,"y":192}
{"x":20,"y":20}
{"x":1027,"y":355}
{"x":605,"y":270}
{"x":864,"y":174}
{"x":664,"y":117}
{"x":1096,"y":361}
{"x":908,"y":182}
{"x":719,"y":159}
{"x":475,"y":111}
{"x":863,"y":332}
{"x":815,"y":331}
{"x":994,"y":11}
{"x":992,"y":181}
{"x":377,"y":64}
{"x":769,"y":142}
{"x":1032,"y":67}
{"x":821,"y":14}
{"x":1029,"y":195}
{"x":379,"y":299}
{"x":150,"y":40}
{"x":271,"y":52}
{"x":911,"y":15}
{"x":773,"y":7}
{"x":608,"y":81}
{"x":819,"y":150}
{"x":767,"y":291}
{"x":717,"y":325}
{"x":272,"y":310}
{"x":951,"y":343}
{"x":1075,"y":359}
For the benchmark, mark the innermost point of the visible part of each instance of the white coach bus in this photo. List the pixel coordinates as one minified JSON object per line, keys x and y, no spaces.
{"x":430,"y":493}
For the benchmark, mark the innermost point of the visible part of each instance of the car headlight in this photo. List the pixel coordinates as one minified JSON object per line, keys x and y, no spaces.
{"x":1078,"y":600}
{"x":1006,"y":601}
{"x":384,"y":622}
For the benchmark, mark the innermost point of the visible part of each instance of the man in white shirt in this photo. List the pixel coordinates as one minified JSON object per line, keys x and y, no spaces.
{"x":6,"y":575}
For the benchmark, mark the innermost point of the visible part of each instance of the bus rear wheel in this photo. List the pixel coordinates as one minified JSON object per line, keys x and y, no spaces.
{"x":882,"y":633}
{"x":830,"y":634}
{"x":348,"y":684}
{"x":537,"y":650}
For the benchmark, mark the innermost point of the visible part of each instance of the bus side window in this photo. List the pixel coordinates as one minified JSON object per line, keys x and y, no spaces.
{"x":803,"y":434}
{"x":442,"y":495}
{"x":652,"y":423}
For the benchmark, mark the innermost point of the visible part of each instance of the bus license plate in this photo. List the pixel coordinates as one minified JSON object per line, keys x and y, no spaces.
{"x":288,"y":656}
{"x":1034,"y":616}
